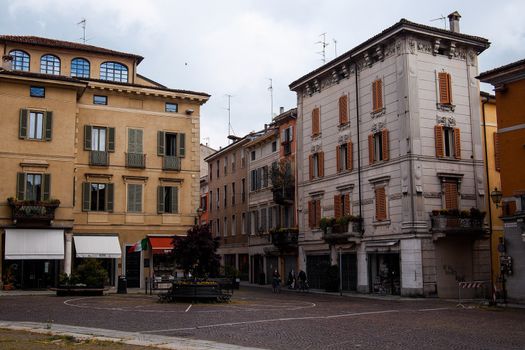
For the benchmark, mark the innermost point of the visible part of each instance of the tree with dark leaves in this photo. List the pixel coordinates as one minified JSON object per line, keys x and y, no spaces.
{"x":196,"y":252}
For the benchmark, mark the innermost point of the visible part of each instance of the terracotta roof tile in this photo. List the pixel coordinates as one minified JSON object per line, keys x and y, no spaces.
{"x":39,"y":41}
{"x":501,"y":69}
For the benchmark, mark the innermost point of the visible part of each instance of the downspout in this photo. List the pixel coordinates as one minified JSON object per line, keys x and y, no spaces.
{"x":484,"y":102}
{"x":358,"y":148}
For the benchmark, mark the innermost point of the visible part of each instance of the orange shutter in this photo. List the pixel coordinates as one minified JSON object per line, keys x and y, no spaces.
{"x":320,"y":160}
{"x":497,"y":164}
{"x":343,"y":109}
{"x":317,"y":213}
{"x":438,"y":138}
{"x":337,"y":206}
{"x":457,"y":144}
{"x":349,"y":156}
{"x":347,"y":204}
{"x":386,"y":150}
{"x":374,"y":96}
{"x":311,"y":165}
{"x":371,"y":149}
{"x":315,"y":121}
{"x":451,"y":195}
{"x":310,"y":214}
{"x":377,"y":95}
{"x":444,"y":88}
{"x":380,"y":204}
{"x":338,"y":158}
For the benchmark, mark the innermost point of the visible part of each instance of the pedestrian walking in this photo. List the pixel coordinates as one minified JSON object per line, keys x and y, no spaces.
{"x":291,"y":280}
{"x":276,"y":282}
{"x":303,"y":282}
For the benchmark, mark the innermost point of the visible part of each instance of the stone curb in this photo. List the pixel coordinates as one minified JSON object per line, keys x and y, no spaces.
{"x":130,"y":338}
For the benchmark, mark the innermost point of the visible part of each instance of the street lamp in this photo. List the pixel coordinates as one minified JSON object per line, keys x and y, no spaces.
{"x":496,"y":196}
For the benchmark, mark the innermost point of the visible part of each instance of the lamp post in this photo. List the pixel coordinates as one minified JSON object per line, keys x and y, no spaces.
{"x":496,"y":196}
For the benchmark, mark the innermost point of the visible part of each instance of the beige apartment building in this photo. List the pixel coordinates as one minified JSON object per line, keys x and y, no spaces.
{"x":96,"y":157}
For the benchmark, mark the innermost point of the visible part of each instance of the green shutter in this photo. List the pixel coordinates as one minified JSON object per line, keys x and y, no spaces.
{"x":138,"y":140}
{"x":131,"y":140}
{"x":20,"y":186}
{"x":111,"y":139}
{"x":86,"y":196}
{"x":87,"y":137}
{"x":182,"y":145}
{"x":138,"y":198}
{"x":160,"y":199}
{"x":174,"y":200}
{"x":22,"y":131}
{"x":109,"y":198}
{"x":49,"y":125}
{"x":47,"y":187}
{"x":161,"y":141}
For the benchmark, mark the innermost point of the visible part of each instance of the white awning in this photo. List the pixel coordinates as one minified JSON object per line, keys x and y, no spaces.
{"x":97,"y":246}
{"x":32,"y":244}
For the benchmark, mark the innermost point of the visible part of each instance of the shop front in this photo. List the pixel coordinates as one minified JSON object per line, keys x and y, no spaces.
{"x":32,"y":258}
{"x":384,"y":268}
{"x":162,"y":263}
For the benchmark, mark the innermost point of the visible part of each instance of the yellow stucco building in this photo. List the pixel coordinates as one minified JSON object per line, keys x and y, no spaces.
{"x":95,"y":157}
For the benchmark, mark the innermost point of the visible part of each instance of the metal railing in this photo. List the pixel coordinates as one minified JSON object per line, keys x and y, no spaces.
{"x":135,"y":160}
{"x":171,"y":163}
{"x":99,"y":158}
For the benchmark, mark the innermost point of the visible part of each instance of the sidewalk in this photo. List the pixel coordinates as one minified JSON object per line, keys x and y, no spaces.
{"x":130,"y":338}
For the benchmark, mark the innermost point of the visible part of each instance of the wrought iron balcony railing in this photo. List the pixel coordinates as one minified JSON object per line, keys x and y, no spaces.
{"x":135,"y":160}
{"x":171,"y":163}
{"x":26,"y":210}
{"x":99,"y":158}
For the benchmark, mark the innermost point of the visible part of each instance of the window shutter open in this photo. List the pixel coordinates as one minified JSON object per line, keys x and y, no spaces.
{"x":87,"y":137}
{"x":438,"y":137}
{"x":311,"y":165}
{"x":377,"y":95}
{"x":22,"y":131}
{"x":349,"y":156}
{"x":109,"y":198}
{"x":86,"y":196}
{"x":161,"y":141}
{"x":283,"y":135}
{"x":386,"y":150}
{"x":20,"y":186}
{"x":290,"y":133}
{"x":343,"y":109}
{"x":444,"y":88}
{"x":160,"y":199}
{"x":46,"y":185}
{"x":457,"y":144}
{"x":317,"y":212}
{"x":111,"y":139}
{"x":380,"y":204}
{"x":175,"y":199}
{"x":310,"y":214}
{"x":497,"y":162}
{"x":371,"y":149}
{"x":337,"y":206}
{"x":320,"y":160}
{"x":49,"y":125}
{"x":182,"y":145}
{"x":451,"y":195}
{"x":338,"y":158}
{"x":347,"y":204}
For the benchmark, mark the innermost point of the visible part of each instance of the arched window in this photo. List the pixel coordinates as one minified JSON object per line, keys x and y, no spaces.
{"x":80,"y":68}
{"x":20,"y":60}
{"x":50,"y":64}
{"x":114,"y":71}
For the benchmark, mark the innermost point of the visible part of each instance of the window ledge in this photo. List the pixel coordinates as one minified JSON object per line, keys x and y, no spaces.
{"x":381,"y":223}
{"x":445,"y":107}
{"x":343,"y":126}
{"x":378,"y":113}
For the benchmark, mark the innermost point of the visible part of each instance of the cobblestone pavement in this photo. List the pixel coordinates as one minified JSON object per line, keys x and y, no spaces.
{"x":259,"y":318}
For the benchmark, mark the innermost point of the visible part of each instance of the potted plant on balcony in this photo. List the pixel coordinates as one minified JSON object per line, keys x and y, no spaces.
{"x":477,"y":216}
{"x":464,"y":218}
{"x":327,"y":224}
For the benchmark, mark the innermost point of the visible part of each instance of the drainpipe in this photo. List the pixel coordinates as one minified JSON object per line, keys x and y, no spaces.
{"x":358,"y":149}
{"x":484,"y":102}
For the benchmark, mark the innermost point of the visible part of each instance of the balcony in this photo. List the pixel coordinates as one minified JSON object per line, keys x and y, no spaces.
{"x":171,"y":163}
{"x":99,"y":158}
{"x":285,"y":238}
{"x":135,"y":160}
{"x":343,"y":230}
{"x":283,"y":196}
{"x":455,"y":222}
{"x":23,"y":210}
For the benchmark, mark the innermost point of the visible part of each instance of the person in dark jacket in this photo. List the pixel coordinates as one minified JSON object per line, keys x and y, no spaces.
{"x":303,"y":282}
{"x":276,"y":281}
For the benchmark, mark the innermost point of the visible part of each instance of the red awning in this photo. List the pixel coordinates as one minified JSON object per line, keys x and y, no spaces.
{"x":161,"y":245}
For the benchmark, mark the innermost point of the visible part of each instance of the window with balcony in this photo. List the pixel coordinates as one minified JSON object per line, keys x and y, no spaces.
{"x":113,"y":71}
{"x":168,"y":199}
{"x":20,"y":60}
{"x":172,"y":147}
{"x":35,"y":125}
{"x":80,"y":68}
{"x":97,"y":197}
{"x":33,"y":187}
{"x":50,"y":64}
{"x":99,"y":141}
{"x":380,"y":204}
{"x":135,"y":158}
{"x":341,"y":205}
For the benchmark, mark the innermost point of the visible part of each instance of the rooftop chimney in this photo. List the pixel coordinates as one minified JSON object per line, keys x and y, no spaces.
{"x":7,"y":62}
{"x":453,"y":20}
{"x":281,"y":110}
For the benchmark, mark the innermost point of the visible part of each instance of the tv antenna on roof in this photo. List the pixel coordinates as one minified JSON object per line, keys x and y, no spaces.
{"x":335,"y":46}
{"x":82,"y":23}
{"x":442,"y":18}
{"x":270,"y":88}
{"x":229,"y":115}
{"x":324,"y":44}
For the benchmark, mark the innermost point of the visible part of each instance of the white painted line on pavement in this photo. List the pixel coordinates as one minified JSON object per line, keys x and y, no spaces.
{"x":188,"y":309}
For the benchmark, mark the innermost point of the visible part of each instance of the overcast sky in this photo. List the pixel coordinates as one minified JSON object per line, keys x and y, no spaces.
{"x":233,"y":47}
